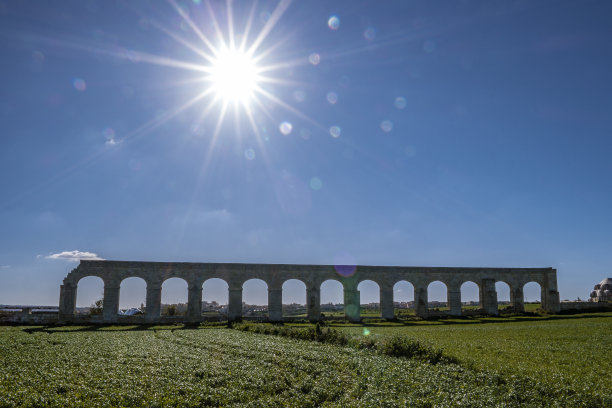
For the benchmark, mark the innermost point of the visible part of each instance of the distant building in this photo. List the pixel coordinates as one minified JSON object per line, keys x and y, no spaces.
{"x":602,"y":292}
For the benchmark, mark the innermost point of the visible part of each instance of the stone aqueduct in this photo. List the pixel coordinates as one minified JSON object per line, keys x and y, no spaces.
{"x":236,"y":274}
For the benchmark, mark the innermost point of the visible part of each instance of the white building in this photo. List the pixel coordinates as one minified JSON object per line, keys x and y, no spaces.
{"x":602,"y":292}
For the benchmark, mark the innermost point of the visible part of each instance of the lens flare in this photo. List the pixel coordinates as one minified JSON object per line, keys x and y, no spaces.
{"x":333,"y":22}
{"x":332,"y":97}
{"x":335,"y":131}
{"x":314,"y":58}
{"x":249,"y":154}
{"x":285,"y":128}
{"x":316,"y":183}
{"x":400,"y":102}
{"x":386,"y":126}
{"x":79,"y":84}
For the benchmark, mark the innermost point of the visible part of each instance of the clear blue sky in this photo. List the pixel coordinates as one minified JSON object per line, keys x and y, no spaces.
{"x":468,"y":134}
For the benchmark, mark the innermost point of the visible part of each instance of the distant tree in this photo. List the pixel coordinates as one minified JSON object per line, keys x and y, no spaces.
{"x":171,"y":310}
{"x":96,"y":307}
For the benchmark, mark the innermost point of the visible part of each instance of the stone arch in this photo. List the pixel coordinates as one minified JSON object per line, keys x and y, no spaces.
{"x":89,"y":289}
{"x":174,"y":296}
{"x":215,"y":297}
{"x":254,"y":298}
{"x":132,"y":292}
{"x":470,"y":297}
{"x":294,"y":298}
{"x":332,"y":297}
{"x":369,"y":298}
{"x":403,"y":298}
{"x":437,"y":295}
{"x":532,"y":295}
{"x":504,"y":295}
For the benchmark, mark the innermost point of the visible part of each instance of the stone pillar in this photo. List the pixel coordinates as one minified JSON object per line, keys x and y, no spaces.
{"x":194,"y":302}
{"x":550,"y":295}
{"x":489,"y":297}
{"x":153,"y":306}
{"x":67,"y":302}
{"x":453,"y":295}
{"x":111,"y":302}
{"x":352,"y":310}
{"x":387,"y":309}
{"x":553,"y":303}
{"x":275,"y":304}
{"x":313,"y":303}
{"x":517,"y":299}
{"x":234,"y":308}
{"x":420,"y":301}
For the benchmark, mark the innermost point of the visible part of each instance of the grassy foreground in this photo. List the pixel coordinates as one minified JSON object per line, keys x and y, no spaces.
{"x":215,"y":366}
{"x":562,"y":351}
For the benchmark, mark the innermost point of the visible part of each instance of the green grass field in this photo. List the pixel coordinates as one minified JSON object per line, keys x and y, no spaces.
{"x":555,"y":350}
{"x":216,"y":366}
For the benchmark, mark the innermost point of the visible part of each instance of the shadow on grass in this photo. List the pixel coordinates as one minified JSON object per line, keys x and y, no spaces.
{"x":411,"y":322}
{"x":117,"y":328}
{"x":462,"y":320}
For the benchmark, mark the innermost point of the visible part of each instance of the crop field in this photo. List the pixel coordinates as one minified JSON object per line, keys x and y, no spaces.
{"x":559,"y":351}
{"x":217,"y":366}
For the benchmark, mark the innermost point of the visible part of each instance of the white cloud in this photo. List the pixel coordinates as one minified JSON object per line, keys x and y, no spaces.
{"x":5,"y":266}
{"x":74,"y":256}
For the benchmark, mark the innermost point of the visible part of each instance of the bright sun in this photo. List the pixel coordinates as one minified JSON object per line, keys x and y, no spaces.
{"x":234,"y":76}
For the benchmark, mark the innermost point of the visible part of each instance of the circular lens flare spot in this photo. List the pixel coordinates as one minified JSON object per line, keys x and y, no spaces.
{"x":316,"y":183}
{"x":285,"y":128}
{"x":370,"y":33}
{"x":332,"y":97}
{"x":386,"y":126}
{"x":314,"y":58}
{"x":249,"y":154}
{"x":335,"y":131}
{"x":400,"y":102}
{"x":234,"y":76}
{"x":345,"y":264}
{"x":79,"y":84}
{"x":333,"y":22}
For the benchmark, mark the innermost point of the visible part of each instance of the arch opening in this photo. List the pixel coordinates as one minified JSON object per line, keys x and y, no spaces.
{"x":174,"y":297}
{"x":503,"y":295}
{"x":437,"y":295}
{"x":532,"y":296}
{"x":470,"y":297}
{"x":294,"y":298}
{"x":215,"y":297}
{"x":254,"y":298}
{"x":369,"y":298}
{"x":332,"y":298}
{"x":90,"y":296}
{"x":132,"y":296}
{"x":403,"y":299}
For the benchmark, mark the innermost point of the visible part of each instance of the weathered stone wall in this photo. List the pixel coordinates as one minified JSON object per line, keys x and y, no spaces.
{"x":584,"y":306}
{"x":28,"y":316}
{"x":195,"y":274}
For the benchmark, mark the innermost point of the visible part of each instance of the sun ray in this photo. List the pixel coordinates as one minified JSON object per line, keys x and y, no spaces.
{"x":193,"y":26}
{"x":276,"y":15}
{"x":230,"y":23}
{"x":215,"y":24}
{"x":289,"y":108}
{"x":181,"y":40}
{"x":247,"y":28}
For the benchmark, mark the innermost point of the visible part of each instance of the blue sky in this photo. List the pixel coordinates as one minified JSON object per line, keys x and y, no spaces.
{"x":468,"y":134}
